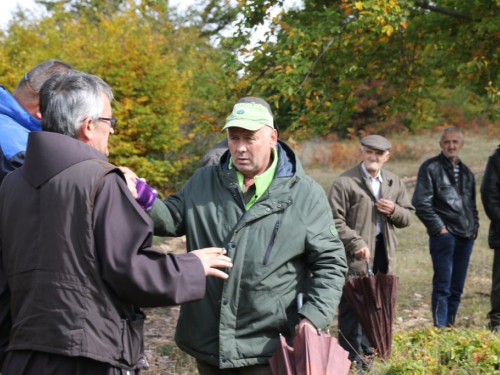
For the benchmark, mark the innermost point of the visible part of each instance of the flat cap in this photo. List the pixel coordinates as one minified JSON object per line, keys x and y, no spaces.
{"x":377,"y":142}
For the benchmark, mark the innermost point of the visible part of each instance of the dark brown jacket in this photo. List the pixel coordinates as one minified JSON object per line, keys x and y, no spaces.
{"x":77,"y":256}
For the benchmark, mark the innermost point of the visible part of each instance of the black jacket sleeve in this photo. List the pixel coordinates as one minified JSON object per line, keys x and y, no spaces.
{"x":490,"y":187}
{"x":423,"y":200}
{"x":5,"y":319}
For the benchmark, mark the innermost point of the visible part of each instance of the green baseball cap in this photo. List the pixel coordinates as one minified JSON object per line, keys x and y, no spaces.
{"x":251,"y":116}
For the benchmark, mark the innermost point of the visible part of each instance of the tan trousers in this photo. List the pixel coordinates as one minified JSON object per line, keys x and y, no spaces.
{"x":206,"y":369}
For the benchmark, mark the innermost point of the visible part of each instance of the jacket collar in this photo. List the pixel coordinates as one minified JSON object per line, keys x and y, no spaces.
{"x":48,"y":154}
{"x":11,"y":108}
{"x":385,"y":184}
{"x":444,"y":159}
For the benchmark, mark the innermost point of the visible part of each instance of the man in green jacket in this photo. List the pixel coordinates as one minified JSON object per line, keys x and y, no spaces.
{"x":367,"y":202}
{"x":278,"y":229}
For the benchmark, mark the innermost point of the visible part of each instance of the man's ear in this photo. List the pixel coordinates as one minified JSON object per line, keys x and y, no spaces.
{"x":360,"y":153}
{"x":38,"y":114}
{"x":274,"y":137}
{"x":86,"y":130}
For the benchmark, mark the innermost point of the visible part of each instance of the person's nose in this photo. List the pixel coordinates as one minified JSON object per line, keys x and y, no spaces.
{"x":241,"y":147}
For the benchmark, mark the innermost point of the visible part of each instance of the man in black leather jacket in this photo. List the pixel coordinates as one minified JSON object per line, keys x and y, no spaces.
{"x":490,"y":194}
{"x":445,"y":200}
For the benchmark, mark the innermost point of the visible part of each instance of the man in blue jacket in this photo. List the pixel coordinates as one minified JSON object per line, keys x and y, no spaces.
{"x":20,"y":114}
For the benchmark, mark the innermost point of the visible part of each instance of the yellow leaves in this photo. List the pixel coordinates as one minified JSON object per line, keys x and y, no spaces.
{"x":142,"y":99}
{"x":359,"y":5}
{"x":388,"y":29}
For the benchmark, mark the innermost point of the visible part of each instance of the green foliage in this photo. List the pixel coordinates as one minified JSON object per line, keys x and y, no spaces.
{"x":445,"y":351}
{"x":166,"y":78}
{"x":345,"y":65}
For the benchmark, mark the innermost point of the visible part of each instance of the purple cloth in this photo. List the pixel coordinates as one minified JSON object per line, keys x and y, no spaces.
{"x":146,"y":195}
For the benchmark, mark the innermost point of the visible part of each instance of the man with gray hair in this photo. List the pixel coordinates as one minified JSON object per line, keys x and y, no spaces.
{"x":445,"y":200}
{"x":20,"y":114}
{"x":367,"y":202}
{"x":76,"y":259}
{"x":273,"y":219}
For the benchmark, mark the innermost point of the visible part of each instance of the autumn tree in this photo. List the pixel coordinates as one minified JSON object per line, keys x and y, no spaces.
{"x":166,"y":76}
{"x":329,"y":65}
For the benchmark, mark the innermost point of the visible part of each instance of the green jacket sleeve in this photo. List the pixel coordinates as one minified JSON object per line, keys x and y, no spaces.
{"x":325,"y":256}
{"x":167,"y":215}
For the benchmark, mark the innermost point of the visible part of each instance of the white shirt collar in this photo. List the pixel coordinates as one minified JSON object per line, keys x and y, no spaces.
{"x":368,"y":175}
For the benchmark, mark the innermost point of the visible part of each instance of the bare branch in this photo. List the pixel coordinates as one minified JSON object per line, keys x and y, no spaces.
{"x":452,"y":13}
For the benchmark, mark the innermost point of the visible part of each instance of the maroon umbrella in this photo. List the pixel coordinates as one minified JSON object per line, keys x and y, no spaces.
{"x":373,"y":300}
{"x":312,"y":354}
{"x":283,"y":360}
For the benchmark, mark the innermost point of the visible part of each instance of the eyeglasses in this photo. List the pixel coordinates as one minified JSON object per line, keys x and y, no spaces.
{"x":27,"y":82}
{"x":112,"y":121}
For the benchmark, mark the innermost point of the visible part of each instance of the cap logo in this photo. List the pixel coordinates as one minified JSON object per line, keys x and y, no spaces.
{"x":240,"y":112}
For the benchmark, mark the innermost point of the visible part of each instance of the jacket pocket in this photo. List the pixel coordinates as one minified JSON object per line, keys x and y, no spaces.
{"x":132,"y":339}
{"x":271,"y":242}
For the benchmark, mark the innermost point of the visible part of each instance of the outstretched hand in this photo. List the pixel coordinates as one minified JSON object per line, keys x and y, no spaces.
{"x":213,"y":257}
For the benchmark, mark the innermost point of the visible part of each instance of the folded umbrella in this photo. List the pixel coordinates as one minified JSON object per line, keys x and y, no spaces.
{"x":311,"y":354}
{"x":373,"y":300}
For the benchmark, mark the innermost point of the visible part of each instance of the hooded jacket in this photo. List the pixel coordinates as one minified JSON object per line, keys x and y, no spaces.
{"x":15,"y":125}
{"x":441,"y":203}
{"x":76,"y":257}
{"x":286,"y":243}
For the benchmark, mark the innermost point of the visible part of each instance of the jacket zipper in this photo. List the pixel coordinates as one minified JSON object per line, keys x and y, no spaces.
{"x":271,"y":242}
{"x":240,"y":199}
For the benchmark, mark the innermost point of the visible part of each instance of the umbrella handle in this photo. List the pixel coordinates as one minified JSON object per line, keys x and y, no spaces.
{"x":369,"y":271}
{"x":300,"y":301}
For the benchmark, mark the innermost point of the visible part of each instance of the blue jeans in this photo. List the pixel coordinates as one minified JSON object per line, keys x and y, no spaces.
{"x":450,"y":258}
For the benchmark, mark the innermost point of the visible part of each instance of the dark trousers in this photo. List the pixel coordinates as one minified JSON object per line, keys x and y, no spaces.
{"x":206,"y":369}
{"x":450,"y":259}
{"x":494,"y":314}
{"x":351,"y":336}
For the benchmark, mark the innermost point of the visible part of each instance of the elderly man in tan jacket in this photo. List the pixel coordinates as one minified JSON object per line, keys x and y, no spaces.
{"x":367,"y":203}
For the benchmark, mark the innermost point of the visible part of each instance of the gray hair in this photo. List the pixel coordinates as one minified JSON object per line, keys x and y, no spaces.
{"x":66,"y":99}
{"x":36,"y":77}
{"x":451,"y":129}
